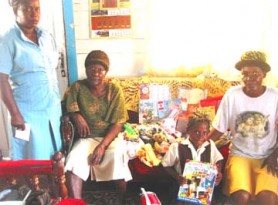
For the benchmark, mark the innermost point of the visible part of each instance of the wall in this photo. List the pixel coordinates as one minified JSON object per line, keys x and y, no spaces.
{"x":126,"y":55}
{"x":182,"y":37}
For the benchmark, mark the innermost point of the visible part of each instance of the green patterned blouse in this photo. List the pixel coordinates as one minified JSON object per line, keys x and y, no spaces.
{"x":100,"y":112}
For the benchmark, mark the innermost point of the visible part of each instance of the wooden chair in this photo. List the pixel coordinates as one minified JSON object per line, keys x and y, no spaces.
{"x":31,"y":171}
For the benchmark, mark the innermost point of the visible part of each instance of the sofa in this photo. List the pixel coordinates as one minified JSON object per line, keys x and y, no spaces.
{"x":131,"y":87}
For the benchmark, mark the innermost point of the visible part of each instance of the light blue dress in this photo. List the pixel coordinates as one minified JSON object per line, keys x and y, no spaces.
{"x":35,"y":89}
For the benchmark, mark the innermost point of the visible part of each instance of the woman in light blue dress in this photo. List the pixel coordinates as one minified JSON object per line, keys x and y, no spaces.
{"x":28,"y":83}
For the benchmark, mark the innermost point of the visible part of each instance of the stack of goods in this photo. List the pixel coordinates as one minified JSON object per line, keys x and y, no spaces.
{"x":154,"y":141}
{"x":162,"y":119}
{"x":156,"y":103}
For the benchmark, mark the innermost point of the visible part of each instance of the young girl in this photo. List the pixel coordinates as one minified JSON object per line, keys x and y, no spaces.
{"x":197,"y":146}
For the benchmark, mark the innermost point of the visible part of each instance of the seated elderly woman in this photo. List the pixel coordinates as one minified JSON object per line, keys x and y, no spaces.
{"x":96,"y":107}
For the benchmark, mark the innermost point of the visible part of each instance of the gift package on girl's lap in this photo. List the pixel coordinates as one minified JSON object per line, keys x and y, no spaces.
{"x":200,"y":181}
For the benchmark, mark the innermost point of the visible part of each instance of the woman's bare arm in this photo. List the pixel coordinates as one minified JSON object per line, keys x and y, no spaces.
{"x":8,"y":99}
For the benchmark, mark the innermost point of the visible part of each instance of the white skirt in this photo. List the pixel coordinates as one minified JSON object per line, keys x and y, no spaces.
{"x":114,"y":165}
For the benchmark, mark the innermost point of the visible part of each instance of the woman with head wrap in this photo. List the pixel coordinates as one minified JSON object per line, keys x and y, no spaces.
{"x":96,"y":106}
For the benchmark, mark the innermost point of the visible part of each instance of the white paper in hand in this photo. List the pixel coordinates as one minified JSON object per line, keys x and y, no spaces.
{"x":23,"y":134}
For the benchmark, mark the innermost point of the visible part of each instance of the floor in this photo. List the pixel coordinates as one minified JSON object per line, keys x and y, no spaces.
{"x":104,"y":193}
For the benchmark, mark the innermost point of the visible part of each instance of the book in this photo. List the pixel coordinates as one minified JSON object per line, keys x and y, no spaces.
{"x":154,"y":111}
{"x":147,"y":111}
{"x":200,"y":182}
{"x":168,"y":108}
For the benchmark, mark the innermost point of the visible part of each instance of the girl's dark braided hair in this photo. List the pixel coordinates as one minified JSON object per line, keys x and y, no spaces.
{"x":196,"y":118}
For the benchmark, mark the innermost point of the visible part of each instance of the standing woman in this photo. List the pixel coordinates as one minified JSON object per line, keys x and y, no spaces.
{"x":28,"y":83}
